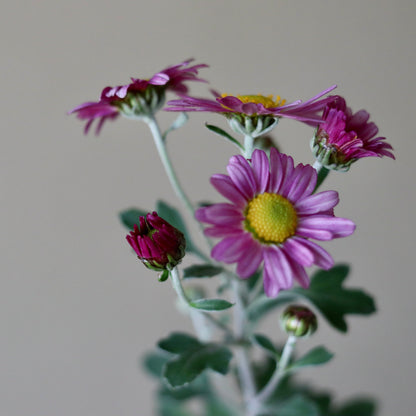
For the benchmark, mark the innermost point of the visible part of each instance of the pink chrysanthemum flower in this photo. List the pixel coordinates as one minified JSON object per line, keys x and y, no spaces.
{"x":343,"y":137}
{"x":272,"y":215}
{"x":255,"y":106}
{"x":140,"y":97}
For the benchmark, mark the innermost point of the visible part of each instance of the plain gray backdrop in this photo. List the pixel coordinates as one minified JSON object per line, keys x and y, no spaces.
{"x":77,"y":310}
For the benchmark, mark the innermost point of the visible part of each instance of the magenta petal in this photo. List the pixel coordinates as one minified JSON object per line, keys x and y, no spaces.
{"x":230,"y":249}
{"x":298,"y":252}
{"x":314,"y":204}
{"x":260,"y":165}
{"x":242,"y":176}
{"x":220,"y":214}
{"x":300,"y":274}
{"x":221,"y":231}
{"x":249,"y":262}
{"x":225,"y":186}
{"x":277,"y":273}
{"x":320,"y":256}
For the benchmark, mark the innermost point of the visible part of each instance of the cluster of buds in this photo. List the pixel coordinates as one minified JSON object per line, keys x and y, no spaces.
{"x":158,"y":244}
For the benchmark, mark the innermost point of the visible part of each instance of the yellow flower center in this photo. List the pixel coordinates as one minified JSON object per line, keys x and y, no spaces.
{"x":271,"y":218}
{"x":268,"y":101}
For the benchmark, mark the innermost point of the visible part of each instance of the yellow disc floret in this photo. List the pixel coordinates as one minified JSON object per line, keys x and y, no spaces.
{"x":271,"y":218}
{"x":267,"y":101}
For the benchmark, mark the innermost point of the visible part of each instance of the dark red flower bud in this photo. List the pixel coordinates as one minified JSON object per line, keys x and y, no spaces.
{"x":298,"y":321}
{"x":159,"y":245}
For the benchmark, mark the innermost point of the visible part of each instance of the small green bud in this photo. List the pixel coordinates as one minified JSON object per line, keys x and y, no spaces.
{"x":298,"y":321}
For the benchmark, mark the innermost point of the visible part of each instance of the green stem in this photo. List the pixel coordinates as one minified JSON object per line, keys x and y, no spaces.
{"x":161,"y":148}
{"x":248,"y":146}
{"x":198,"y":317}
{"x":245,"y":372}
{"x":272,"y":384}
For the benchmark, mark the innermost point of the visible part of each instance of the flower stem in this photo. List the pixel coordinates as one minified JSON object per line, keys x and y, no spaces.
{"x":248,"y":146}
{"x":245,"y":372}
{"x":161,"y":148}
{"x":270,"y":387}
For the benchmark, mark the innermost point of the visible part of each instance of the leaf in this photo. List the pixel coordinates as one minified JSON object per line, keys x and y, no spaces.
{"x":154,"y":362}
{"x":130,"y":217}
{"x":265,"y":343}
{"x":316,"y":356}
{"x":224,"y":134}
{"x":189,"y":365}
{"x":178,"y":343}
{"x":326,"y":294}
{"x":211,"y":304}
{"x":173,"y":217}
{"x":201,"y":270}
{"x":358,"y":407}
{"x":333,"y":300}
{"x":264,"y":304}
{"x":298,"y":406}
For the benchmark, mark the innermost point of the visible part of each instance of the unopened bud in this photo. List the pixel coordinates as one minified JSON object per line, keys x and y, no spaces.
{"x":298,"y":321}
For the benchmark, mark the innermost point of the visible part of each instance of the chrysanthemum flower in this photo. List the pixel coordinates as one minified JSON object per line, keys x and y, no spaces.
{"x":344,"y":137}
{"x":159,"y":245}
{"x":255,"y":108}
{"x":139,"y":98}
{"x":271,"y":217}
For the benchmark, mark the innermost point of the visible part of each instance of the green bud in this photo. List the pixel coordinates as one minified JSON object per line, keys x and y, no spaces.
{"x":298,"y":321}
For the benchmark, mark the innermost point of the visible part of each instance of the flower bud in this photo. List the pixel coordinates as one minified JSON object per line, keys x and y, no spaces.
{"x":298,"y":321}
{"x":159,"y":245}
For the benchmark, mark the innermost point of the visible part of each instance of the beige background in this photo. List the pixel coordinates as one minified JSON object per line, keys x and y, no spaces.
{"x":76,"y":309}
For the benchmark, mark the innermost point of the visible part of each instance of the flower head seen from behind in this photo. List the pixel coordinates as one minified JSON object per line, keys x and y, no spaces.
{"x":141,"y":97}
{"x":343,"y":137}
{"x":272,"y":215}
{"x":158,"y":244}
{"x":256,"y":112}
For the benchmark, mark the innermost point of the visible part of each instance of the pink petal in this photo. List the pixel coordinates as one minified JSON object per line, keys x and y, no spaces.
{"x":316,"y":203}
{"x":260,"y":165}
{"x":226,"y":187}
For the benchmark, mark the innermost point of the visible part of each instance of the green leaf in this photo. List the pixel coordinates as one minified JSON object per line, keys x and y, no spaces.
{"x":326,"y":293}
{"x":201,"y":270}
{"x":215,"y":407}
{"x":224,"y":134}
{"x":172,"y":407}
{"x":316,"y":356}
{"x":178,"y":123}
{"x":130,"y":216}
{"x":263,"y":304}
{"x":189,"y":365}
{"x":173,"y":217}
{"x":333,"y":300}
{"x":178,"y":343}
{"x":211,"y":304}
{"x":154,"y":363}
{"x":265,"y":343}
{"x":298,"y":406}
{"x":358,"y":407}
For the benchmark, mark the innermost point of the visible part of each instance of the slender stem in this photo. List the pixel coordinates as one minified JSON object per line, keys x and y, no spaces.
{"x":248,"y":146}
{"x":270,"y":387}
{"x":245,"y":372}
{"x":198,"y":317}
{"x":161,"y":148}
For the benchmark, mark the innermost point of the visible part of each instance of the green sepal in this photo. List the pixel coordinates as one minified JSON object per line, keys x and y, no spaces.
{"x":130,"y":217}
{"x":210,"y":305}
{"x":184,"y":368}
{"x":201,"y":270}
{"x":163,"y":276}
{"x":317,"y":356}
{"x":224,"y":134}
